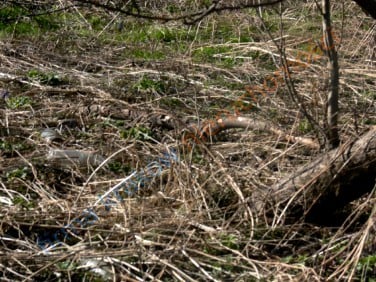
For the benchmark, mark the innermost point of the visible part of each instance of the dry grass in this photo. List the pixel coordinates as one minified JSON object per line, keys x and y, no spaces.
{"x":191,"y":218}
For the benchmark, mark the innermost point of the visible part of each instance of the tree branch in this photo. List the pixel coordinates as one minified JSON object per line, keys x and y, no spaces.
{"x":213,"y":127}
{"x":189,"y":17}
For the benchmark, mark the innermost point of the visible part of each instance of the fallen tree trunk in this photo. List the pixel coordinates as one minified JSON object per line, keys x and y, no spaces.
{"x":321,"y":188}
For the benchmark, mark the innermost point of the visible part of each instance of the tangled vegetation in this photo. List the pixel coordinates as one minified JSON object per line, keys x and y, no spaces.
{"x":99,"y":181}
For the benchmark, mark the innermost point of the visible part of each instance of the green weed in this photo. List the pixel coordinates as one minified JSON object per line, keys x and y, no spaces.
{"x":370,"y":121}
{"x":18,"y":102}
{"x":305,"y":126}
{"x":147,"y":55}
{"x":146,"y":84}
{"x":22,"y":202}
{"x":50,"y":79}
{"x":79,"y":273}
{"x":230,"y":240}
{"x":171,"y":102}
{"x":367,"y":266}
{"x":369,"y":94}
{"x":118,"y":167}
{"x":8,"y":147}
{"x":17,"y":21}
{"x":96,"y":22}
{"x":170,"y":35}
{"x":207,"y":53}
{"x":139,"y":133}
{"x":20,"y":173}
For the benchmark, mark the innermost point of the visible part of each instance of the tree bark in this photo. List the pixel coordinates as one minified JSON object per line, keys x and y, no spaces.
{"x":333,"y":68}
{"x":368,"y":6}
{"x":321,"y":188}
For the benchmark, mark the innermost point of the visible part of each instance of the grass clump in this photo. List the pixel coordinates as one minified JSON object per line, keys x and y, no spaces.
{"x":209,"y":53}
{"x":50,"y":79}
{"x":9,"y":146}
{"x":18,"y":102}
{"x":146,"y":84}
{"x":139,"y":133}
{"x":20,"y":21}
{"x":119,"y":167}
{"x":20,"y":173}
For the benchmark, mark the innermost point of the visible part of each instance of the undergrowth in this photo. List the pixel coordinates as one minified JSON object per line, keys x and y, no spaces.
{"x":122,"y":89}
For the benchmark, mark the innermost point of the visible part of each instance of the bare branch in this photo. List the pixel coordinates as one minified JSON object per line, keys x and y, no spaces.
{"x":333,"y":67}
{"x":215,"y":126}
{"x":191,"y":17}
